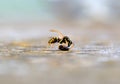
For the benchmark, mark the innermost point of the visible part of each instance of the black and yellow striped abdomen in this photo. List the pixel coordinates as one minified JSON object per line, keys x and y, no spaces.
{"x":53,"y":40}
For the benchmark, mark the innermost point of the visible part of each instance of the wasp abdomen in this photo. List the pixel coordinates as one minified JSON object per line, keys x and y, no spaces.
{"x":53,"y":40}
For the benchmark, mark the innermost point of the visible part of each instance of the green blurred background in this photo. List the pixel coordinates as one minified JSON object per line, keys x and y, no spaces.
{"x":26,"y":18}
{"x":64,"y":9}
{"x":22,"y":9}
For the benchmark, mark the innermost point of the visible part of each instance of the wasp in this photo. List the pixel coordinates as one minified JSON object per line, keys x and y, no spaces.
{"x":64,"y":41}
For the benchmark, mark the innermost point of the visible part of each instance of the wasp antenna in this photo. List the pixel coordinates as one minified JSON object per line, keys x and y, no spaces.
{"x":59,"y":33}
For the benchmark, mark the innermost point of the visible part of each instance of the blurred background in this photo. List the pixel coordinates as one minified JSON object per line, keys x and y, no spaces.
{"x":21,"y":19}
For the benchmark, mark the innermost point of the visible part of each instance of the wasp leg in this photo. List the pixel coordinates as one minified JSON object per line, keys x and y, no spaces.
{"x":72,"y":45}
{"x":60,"y":35}
{"x":66,"y":40}
{"x":63,"y":48}
{"x":48,"y":46}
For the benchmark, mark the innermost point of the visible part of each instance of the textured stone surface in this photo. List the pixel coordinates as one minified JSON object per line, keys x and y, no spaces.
{"x":31,"y":62}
